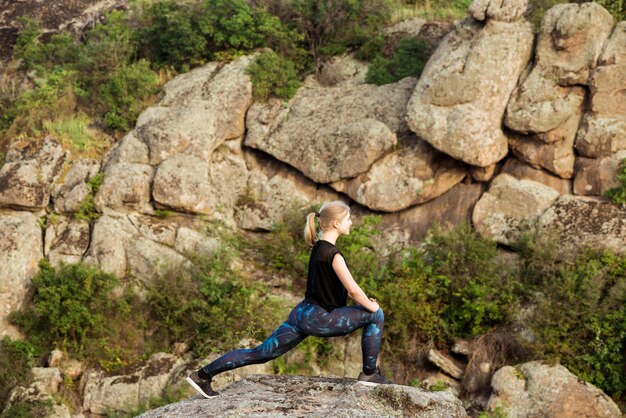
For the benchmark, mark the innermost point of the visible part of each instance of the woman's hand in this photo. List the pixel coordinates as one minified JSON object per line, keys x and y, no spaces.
{"x":375,"y":305}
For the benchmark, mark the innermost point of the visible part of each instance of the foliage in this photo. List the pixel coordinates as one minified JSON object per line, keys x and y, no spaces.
{"x":539,"y":8}
{"x":16,"y":360}
{"x":74,"y":309}
{"x":170,"y":395}
{"x":408,"y":59}
{"x":618,"y":194}
{"x":205,"y":303}
{"x":87,"y":210}
{"x":126,"y":94}
{"x":28,"y":409}
{"x":272,"y":75}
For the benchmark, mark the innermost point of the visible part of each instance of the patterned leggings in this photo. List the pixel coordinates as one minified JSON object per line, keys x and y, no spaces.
{"x":309,"y":319}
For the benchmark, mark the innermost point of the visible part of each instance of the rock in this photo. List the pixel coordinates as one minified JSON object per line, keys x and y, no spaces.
{"x":147,"y":259}
{"x":330,"y":134}
{"x":343,"y":70}
{"x":28,"y":172}
{"x":510,"y":206}
{"x":73,"y":191}
{"x":189,"y":241}
{"x":538,"y":390}
{"x":508,"y":11}
{"x":315,"y":396}
{"x":123,"y":393}
{"x":447,"y":364}
{"x":55,"y":358}
{"x":129,"y":149}
{"x":430,"y":33}
{"x":577,"y":222}
{"x":66,"y":240}
{"x":72,"y":368}
{"x":435,"y":381}
{"x":460,"y":98}
{"x":198,"y":113}
{"x":20,"y":251}
{"x":125,"y":185}
{"x":413,"y":173}
{"x":483,"y":174}
{"x":556,"y":157}
{"x":603,"y":131}
{"x":521,"y":171}
{"x":186,"y":183}
{"x":273,"y":190}
{"x":594,"y":176}
{"x":412,"y":225}
{"x":108,"y":236}
{"x":47,"y":378}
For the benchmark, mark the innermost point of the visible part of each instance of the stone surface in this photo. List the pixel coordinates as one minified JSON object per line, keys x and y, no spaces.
{"x":123,"y":393}
{"x":125,"y":186}
{"x":509,"y":207}
{"x":198,"y":113}
{"x":446,"y":363}
{"x":577,"y":222}
{"x":49,"y":378}
{"x":505,"y":11}
{"x":460,"y":98}
{"x":594,"y":176}
{"x":538,"y":390}
{"x":315,"y":396}
{"x":603,"y":131}
{"x":129,"y":149}
{"x":21,"y":248}
{"x":412,"y":225}
{"x":28,"y":173}
{"x":66,"y":240}
{"x":330,"y":134}
{"x":521,"y":171}
{"x":413,"y":173}
{"x":72,"y":191}
{"x":483,"y":174}
{"x":435,"y":381}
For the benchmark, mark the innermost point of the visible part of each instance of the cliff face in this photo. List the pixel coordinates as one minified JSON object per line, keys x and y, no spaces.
{"x":314,"y":397}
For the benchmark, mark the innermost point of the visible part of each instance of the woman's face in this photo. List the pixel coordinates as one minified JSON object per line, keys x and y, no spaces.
{"x":344,"y":225}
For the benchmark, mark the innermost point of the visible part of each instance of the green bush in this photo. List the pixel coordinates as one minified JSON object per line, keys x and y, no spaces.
{"x":408,"y":59}
{"x":273,"y":75}
{"x":126,"y":93}
{"x":87,"y":210}
{"x":618,"y":194}
{"x":16,"y":360}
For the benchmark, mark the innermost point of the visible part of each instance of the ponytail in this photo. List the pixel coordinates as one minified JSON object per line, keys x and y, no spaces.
{"x":310,"y":236}
{"x":329,"y":212}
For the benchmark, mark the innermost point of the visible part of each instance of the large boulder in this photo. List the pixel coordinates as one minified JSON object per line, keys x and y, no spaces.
{"x":125,"y":185}
{"x":330,"y":134}
{"x":538,"y":390}
{"x":28,"y":173}
{"x":603,"y":131}
{"x":20,"y":252}
{"x":199,"y":111}
{"x":509,"y":207}
{"x":413,"y":173}
{"x":460,"y":98}
{"x":594,"y":176}
{"x":548,"y":104}
{"x":315,"y":396}
{"x":498,"y":10}
{"x":521,"y":171}
{"x":578,"y":222}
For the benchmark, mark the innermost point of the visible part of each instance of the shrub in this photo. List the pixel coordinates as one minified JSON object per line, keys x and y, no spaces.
{"x":126,"y":93}
{"x":87,"y":210}
{"x":618,"y":194}
{"x":408,"y":59}
{"x":273,"y":75}
{"x":16,"y":360}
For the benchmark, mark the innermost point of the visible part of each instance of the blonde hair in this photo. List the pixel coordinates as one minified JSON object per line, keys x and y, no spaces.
{"x":329,"y":212}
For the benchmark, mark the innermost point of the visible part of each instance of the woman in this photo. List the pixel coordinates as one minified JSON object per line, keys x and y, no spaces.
{"x":322,"y":313}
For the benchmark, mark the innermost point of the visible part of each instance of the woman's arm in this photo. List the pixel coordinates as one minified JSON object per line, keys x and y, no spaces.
{"x":354,"y":290}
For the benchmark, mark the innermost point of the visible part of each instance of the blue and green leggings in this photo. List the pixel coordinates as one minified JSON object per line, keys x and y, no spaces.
{"x":310,"y":319}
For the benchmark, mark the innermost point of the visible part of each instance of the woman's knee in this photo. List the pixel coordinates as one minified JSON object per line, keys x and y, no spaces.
{"x":379,"y":316}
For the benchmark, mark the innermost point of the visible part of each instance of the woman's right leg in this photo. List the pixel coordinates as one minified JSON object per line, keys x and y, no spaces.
{"x":315,"y":320}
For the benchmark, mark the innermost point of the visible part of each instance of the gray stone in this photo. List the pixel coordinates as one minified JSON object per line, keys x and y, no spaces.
{"x":330,"y":134}
{"x":28,"y":173}
{"x":72,"y":191}
{"x":129,"y":149}
{"x":66,"y":240}
{"x":315,"y":396}
{"x":505,"y":11}
{"x":460,"y":98}
{"x":446,"y":364}
{"x":411,"y":174}
{"x":521,"y":171}
{"x":21,"y":248}
{"x":594,"y":176}
{"x":125,"y":186}
{"x":538,"y":390}
{"x":509,"y":207}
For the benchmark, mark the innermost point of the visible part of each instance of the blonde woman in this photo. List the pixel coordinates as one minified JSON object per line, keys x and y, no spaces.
{"x":322,"y":313}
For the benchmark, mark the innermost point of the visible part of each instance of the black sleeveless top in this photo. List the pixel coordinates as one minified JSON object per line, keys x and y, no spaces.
{"x":323,"y":287}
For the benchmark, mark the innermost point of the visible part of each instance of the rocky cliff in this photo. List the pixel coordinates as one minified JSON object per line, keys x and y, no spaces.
{"x":505,"y":128}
